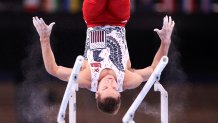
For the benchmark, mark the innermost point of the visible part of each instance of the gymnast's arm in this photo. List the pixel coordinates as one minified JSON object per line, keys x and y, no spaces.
{"x":52,"y":68}
{"x":135,"y":77}
{"x":165,"y":36}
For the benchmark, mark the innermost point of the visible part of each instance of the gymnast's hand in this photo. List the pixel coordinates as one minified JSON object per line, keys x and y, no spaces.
{"x":166,"y":31}
{"x":43,"y":30}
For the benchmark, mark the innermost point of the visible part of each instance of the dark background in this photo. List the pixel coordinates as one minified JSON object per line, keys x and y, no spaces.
{"x":193,"y":55}
{"x":194,"y":36}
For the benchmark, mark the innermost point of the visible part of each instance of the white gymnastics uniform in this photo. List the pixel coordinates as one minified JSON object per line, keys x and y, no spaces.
{"x":106,"y":47}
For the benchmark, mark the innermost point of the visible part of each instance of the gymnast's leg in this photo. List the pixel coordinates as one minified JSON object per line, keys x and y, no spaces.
{"x":119,"y":8}
{"x":93,"y":8}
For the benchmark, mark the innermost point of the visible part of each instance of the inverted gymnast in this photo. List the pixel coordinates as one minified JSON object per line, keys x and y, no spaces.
{"x":107,"y":67}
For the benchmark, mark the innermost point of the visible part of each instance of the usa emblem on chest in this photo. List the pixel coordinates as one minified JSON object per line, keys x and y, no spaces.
{"x":97,"y":39}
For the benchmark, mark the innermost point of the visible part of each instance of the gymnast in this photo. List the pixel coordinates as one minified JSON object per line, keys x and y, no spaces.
{"x":107,"y":68}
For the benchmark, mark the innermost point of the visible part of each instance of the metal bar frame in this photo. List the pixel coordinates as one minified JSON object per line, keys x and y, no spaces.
{"x":155,"y":77}
{"x":163,"y":100}
{"x":70,"y":94}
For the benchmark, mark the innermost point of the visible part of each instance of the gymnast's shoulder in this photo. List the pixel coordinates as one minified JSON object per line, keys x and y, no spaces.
{"x":134,"y":77}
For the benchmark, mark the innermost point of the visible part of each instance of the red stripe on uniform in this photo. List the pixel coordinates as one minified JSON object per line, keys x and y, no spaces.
{"x":102,"y":36}
{"x":97,"y":36}
{"x":92,"y":37}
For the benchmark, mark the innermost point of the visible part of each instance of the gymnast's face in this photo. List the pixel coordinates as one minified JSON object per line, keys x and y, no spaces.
{"x":108,"y":87}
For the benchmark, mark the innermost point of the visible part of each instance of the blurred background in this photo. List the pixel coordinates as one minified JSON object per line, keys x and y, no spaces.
{"x":28,"y":94}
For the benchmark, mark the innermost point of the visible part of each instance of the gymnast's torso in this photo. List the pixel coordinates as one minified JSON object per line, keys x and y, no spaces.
{"x":106,"y":49}
{"x":106,"y":53}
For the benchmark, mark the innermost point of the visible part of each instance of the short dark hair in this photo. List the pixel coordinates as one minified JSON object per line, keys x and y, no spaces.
{"x":109,"y":105}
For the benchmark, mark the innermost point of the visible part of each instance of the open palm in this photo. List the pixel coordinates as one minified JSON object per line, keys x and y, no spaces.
{"x":166,"y":31}
{"x":43,"y":30}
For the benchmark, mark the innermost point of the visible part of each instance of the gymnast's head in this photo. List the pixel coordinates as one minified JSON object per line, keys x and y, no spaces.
{"x":107,"y":96}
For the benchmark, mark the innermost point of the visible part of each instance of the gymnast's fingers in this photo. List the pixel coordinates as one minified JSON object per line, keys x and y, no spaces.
{"x":170,"y":21}
{"x":173,"y":24}
{"x":157,"y":30}
{"x":43,"y":22}
{"x":39,"y":23}
{"x":36,"y":23}
{"x":51,"y":25}
{"x":165,"y":21}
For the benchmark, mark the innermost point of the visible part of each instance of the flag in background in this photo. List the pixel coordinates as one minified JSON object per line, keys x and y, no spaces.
{"x":206,"y":6}
{"x":65,"y":5}
{"x":132,"y":6}
{"x":50,"y":6}
{"x":188,"y":6}
{"x":31,"y":5}
{"x":74,"y":6}
{"x":169,"y":6}
{"x":215,"y":6}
